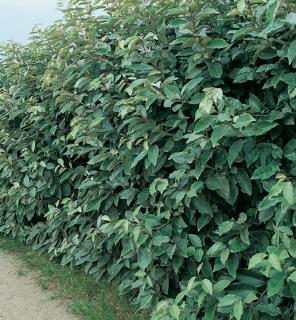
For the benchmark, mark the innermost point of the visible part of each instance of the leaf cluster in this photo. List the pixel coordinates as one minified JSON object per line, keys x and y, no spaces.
{"x":153,"y":143}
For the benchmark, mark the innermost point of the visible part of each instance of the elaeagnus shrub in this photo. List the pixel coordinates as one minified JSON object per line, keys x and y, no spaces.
{"x":154,"y":143}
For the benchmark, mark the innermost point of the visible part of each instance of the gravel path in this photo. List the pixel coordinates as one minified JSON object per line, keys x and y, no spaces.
{"x":22,"y":299}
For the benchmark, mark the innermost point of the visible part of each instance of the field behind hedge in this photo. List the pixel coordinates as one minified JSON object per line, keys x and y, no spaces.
{"x":154,"y":143}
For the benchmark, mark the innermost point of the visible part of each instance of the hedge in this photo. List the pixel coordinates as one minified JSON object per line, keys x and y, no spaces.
{"x":154,"y":143}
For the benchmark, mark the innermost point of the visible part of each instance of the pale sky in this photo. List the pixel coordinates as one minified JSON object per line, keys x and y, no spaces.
{"x":17,"y":17}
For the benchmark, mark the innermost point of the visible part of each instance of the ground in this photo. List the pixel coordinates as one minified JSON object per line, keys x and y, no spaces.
{"x":21,"y":298}
{"x":34,"y":288}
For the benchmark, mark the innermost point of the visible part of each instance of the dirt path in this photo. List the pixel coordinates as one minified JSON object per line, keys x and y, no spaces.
{"x":22,"y":299}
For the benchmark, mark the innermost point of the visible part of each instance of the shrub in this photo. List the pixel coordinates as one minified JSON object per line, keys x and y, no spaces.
{"x":154,"y":144}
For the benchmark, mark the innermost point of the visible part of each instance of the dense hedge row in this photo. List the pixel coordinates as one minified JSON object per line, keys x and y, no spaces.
{"x":155,"y":144}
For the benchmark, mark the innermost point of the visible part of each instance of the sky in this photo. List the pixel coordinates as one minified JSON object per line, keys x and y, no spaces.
{"x":17,"y":17}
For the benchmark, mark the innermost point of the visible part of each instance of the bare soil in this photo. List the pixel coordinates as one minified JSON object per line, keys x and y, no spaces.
{"x":22,"y":299}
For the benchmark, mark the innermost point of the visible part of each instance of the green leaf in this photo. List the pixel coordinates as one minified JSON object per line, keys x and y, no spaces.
{"x":175,"y":312}
{"x":224,"y":255}
{"x":68,"y":107}
{"x":210,"y":312}
{"x":225,"y":227}
{"x":272,"y":9}
{"x":204,"y":123}
{"x":241,"y":32}
{"x":213,"y":97}
{"x":288,"y":192}
{"x":203,"y":160}
{"x":235,"y":245}
{"x":292,"y":276}
{"x":276,"y":189}
{"x":217,"y":43}
{"x":292,"y":51}
{"x":27,"y":183}
{"x":134,"y":85}
{"x":291,"y":18}
{"x":88,"y":184}
{"x":192,"y":84}
{"x":256,"y":260}
{"x":162,"y":185}
{"x":191,"y":283}
{"x":253,"y":278}
{"x":144,"y":258}
{"x":182,"y":157}
{"x":195,"y":240}
{"x":202,"y":205}
{"x":275,"y":261}
{"x":215,"y":70}
{"x":153,"y":154}
{"x":268,"y":203}
{"x":207,"y":286}
{"x":265,"y":172}
{"x":232,"y":264}
{"x":219,"y":132}
{"x":159,"y":240}
{"x":243,"y":120}
{"x":180,"y":195}
{"x":138,"y":158}
{"x":222,"y":284}
{"x":244,"y":181}
{"x":158,"y":185}
{"x":227,"y":300}
{"x":259,"y":128}
{"x":215,"y":249}
{"x":81,"y":82}
{"x":292,"y":248}
{"x":238,"y":310}
{"x":275,"y":283}
{"x":172,"y":91}
{"x":234,"y":151}
{"x":241,"y":5}
{"x":269,"y":309}
{"x":96,"y":159}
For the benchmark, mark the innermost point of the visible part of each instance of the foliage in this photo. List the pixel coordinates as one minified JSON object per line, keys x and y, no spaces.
{"x":154,"y":144}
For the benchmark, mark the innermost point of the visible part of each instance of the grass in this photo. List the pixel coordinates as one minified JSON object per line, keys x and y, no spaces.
{"x":85,"y":297}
